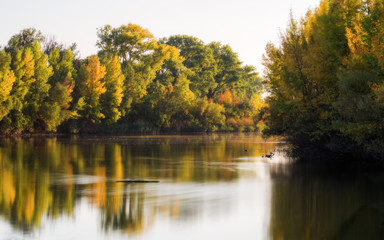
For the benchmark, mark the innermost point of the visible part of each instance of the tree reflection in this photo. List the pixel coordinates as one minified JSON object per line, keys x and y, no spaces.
{"x":44,"y":178}
{"x":311,"y":205}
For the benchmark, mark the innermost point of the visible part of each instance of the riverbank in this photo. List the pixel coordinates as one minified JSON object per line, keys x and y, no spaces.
{"x":121,"y":133}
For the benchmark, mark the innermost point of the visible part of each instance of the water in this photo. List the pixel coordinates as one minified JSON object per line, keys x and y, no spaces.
{"x":211,"y":186}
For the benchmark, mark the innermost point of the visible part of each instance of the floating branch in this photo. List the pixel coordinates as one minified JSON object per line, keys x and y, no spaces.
{"x":137,"y":181}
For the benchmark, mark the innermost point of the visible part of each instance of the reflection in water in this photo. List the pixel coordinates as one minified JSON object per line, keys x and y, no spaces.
{"x":313,"y":205}
{"x":43,"y":179}
{"x":209,"y":187}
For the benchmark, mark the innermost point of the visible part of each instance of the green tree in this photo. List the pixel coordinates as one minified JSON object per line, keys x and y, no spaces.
{"x":169,"y":96}
{"x":209,"y":116}
{"x":251,"y":83}
{"x":228,"y":68}
{"x":38,"y":90}
{"x":26,"y":38}
{"x":199,"y":59}
{"x":57,"y":108}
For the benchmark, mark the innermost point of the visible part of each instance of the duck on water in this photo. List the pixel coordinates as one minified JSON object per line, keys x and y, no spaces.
{"x":268,"y":155}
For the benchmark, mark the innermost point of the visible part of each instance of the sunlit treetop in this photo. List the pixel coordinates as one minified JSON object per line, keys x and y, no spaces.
{"x":129,"y":42}
{"x":25,"y":39}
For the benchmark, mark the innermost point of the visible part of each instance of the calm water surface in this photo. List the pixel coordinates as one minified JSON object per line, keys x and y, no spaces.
{"x":211,"y":187}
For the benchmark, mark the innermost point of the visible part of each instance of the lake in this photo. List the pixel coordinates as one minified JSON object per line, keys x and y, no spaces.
{"x":216,"y":186}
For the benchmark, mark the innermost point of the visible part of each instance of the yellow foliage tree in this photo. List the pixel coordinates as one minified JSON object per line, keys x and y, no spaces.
{"x":7,"y":78}
{"x":256,"y":103}
{"x":114,"y":83}
{"x":93,"y":89}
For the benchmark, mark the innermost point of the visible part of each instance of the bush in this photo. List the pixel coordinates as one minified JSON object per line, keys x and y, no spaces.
{"x":241,"y":124}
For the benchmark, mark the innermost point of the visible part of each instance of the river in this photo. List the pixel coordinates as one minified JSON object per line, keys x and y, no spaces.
{"x":216,"y":186}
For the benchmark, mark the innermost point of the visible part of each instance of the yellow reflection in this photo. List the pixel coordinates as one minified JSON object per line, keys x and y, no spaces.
{"x":118,"y":173}
{"x":29,"y":204}
{"x":8,"y":192}
{"x":45,"y":178}
{"x":98,"y":189}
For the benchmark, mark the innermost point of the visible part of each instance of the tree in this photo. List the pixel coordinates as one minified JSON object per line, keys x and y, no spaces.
{"x":114,"y":83}
{"x":39,"y":88}
{"x":51,"y":44}
{"x":228,"y":68}
{"x":56,"y":110}
{"x":23,"y":66}
{"x":170,"y":84}
{"x":288,"y":84}
{"x":199,"y":59}
{"x":209,"y":115}
{"x":92,"y":87}
{"x":7,"y":78}
{"x":251,"y":82}
{"x":129,"y":42}
{"x":169,"y":96}
{"x":360,"y":104}
{"x":140,"y":55}
{"x":303,"y":72}
{"x":326,"y":78}
{"x":26,"y":38}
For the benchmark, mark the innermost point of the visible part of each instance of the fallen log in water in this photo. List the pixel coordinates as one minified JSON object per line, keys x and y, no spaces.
{"x":137,"y":181}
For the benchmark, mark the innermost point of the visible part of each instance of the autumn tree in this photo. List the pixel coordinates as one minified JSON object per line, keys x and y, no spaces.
{"x":140,"y":57}
{"x":92,"y":87}
{"x":7,"y":78}
{"x":325,"y":78}
{"x":174,"y":83}
{"x":23,"y":66}
{"x":360,"y":104}
{"x":114,"y":84}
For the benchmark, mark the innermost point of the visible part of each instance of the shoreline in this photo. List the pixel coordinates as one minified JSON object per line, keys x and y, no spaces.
{"x":133,"y":133}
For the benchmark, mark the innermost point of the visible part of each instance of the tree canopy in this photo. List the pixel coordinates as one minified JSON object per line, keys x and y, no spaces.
{"x":325,"y":77}
{"x":134,"y":83}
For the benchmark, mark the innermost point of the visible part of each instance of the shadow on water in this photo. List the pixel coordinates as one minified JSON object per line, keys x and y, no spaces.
{"x":315,"y":199}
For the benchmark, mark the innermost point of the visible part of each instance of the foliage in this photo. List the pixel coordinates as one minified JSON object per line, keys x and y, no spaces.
{"x":7,"y":78}
{"x":134,"y":83}
{"x":199,"y":59}
{"x":140,"y":55}
{"x":23,"y":65}
{"x":214,"y":68}
{"x":26,"y":38}
{"x":209,"y":115}
{"x":91,"y":88}
{"x":56,"y":109}
{"x":114,"y":84}
{"x":325,"y":78}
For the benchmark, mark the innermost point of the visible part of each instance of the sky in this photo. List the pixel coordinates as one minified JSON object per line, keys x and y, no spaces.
{"x":245,"y":25}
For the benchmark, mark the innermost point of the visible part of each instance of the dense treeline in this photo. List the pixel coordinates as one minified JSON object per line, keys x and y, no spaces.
{"x":134,"y":83}
{"x":326,"y":78}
